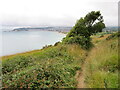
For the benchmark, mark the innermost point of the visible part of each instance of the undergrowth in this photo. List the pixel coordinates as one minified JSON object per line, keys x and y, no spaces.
{"x":51,"y":67}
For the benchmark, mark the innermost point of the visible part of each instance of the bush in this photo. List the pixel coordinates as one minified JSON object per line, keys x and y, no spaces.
{"x":85,"y":43}
{"x":84,"y":28}
{"x":56,"y":43}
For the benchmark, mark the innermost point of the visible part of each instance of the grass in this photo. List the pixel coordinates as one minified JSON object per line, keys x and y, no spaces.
{"x":52,"y":67}
{"x":56,"y":66}
{"x":101,"y":68}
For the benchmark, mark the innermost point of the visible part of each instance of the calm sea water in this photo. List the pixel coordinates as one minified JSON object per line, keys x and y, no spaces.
{"x":22,"y":41}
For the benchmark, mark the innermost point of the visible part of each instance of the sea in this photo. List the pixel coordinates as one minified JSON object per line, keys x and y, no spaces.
{"x":13,"y":42}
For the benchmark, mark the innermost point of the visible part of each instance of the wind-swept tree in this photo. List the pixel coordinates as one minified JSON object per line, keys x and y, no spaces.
{"x":84,"y":28}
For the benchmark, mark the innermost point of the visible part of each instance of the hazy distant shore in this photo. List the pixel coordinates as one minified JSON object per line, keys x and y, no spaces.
{"x":14,"y":39}
{"x":62,"y":30}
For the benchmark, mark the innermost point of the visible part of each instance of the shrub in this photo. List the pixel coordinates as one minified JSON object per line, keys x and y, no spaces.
{"x":84,"y":28}
{"x":56,"y":43}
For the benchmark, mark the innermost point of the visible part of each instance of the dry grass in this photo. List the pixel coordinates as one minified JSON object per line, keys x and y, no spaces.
{"x":96,"y":38}
{"x":101,"y":62}
{"x":17,"y":54}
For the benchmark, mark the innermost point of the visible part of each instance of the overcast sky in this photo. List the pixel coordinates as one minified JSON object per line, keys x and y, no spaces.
{"x":55,"y":12}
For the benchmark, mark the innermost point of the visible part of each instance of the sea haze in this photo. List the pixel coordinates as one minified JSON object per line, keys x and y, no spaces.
{"x":21,"y":41}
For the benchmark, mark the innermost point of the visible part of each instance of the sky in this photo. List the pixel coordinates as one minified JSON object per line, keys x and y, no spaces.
{"x":55,"y":12}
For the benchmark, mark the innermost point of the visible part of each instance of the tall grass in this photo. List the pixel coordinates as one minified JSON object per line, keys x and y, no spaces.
{"x":101,"y":68}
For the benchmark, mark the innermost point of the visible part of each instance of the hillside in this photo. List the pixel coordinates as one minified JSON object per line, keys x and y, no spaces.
{"x":56,"y":66}
{"x":101,"y":65}
{"x":52,"y":67}
{"x":55,"y":28}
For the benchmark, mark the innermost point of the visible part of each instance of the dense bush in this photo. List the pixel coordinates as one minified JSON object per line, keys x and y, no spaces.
{"x":84,"y":28}
{"x":84,"y":42}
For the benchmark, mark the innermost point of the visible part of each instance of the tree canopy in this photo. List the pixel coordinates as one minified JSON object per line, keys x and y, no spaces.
{"x":84,"y":28}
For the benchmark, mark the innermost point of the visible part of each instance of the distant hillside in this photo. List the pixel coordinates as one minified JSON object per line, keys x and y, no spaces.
{"x":60,"y":29}
{"x":114,"y":28}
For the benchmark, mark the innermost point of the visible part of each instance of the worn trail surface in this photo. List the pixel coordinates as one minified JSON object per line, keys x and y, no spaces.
{"x":80,"y":77}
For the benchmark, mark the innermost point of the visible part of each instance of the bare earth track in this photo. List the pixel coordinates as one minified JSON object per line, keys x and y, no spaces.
{"x":80,"y":77}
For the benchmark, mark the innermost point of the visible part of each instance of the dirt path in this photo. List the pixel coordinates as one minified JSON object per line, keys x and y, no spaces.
{"x":80,"y":77}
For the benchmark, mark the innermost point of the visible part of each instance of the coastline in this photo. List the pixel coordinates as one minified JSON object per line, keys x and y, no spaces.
{"x":22,"y":53}
{"x":60,"y":29}
{"x":63,"y":32}
{"x":31,"y":51}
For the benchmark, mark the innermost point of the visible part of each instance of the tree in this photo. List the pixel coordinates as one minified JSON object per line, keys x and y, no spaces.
{"x":84,"y":28}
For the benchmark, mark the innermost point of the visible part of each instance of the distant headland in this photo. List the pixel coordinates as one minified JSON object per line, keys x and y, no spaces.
{"x":57,"y":29}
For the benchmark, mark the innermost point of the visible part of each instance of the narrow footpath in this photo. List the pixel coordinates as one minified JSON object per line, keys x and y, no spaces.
{"x":80,"y":77}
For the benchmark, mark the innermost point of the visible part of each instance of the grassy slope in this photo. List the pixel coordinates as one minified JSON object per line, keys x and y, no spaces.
{"x":101,"y":68}
{"x":51,"y":67}
{"x":56,"y":66}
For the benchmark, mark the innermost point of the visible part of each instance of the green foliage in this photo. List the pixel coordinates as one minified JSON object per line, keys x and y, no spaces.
{"x":102,"y":80}
{"x":84,"y":28}
{"x":16,"y":63}
{"x":51,"y":67}
{"x":56,"y":43}
{"x":84,"y":42}
{"x":56,"y":66}
{"x":101,"y":68}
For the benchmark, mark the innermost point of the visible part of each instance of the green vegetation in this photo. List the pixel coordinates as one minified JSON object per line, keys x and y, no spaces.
{"x":101,"y":68}
{"x":84,"y":28}
{"x":56,"y":66}
{"x":52,"y":67}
